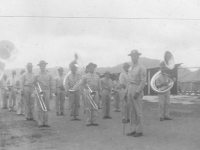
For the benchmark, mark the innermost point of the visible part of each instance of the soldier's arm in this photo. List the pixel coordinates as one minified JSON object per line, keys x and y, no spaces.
{"x":52,"y":85}
{"x":143,"y":80}
{"x":99,"y":86}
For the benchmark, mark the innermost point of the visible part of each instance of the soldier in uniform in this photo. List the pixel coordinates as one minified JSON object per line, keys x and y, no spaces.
{"x":106,"y":84}
{"x":74,"y":96}
{"x":83,"y":93}
{"x":117,"y":94}
{"x":12,"y":91}
{"x":4,"y":90}
{"x":164,"y":98}
{"x":60,"y":93}
{"x":124,"y":81}
{"x":47,"y":84}
{"x":137,"y":76}
{"x":19,"y":96}
{"x":93,"y":81}
{"x":27,"y":88}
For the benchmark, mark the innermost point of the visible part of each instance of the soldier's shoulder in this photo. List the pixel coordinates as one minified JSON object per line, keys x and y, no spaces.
{"x":142,"y":67}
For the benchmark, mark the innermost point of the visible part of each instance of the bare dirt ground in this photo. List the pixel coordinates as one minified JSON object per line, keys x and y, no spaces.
{"x":182,"y":133}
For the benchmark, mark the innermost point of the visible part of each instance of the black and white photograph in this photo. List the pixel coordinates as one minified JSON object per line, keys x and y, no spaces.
{"x":99,"y":75}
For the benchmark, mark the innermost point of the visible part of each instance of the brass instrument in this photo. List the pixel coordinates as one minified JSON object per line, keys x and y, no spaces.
{"x":170,"y":64}
{"x":40,"y":95}
{"x":91,"y":97}
{"x":76,"y":86}
{"x":79,"y":64}
{"x":8,"y":53}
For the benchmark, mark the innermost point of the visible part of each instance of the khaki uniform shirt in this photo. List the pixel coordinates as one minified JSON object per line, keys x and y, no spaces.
{"x":71,"y":80}
{"x":124,"y":79}
{"x":137,"y":75}
{"x":59,"y":81}
{"x":162,"y":79}
{"x":93,"y":81}
{"x":27,"y":79}
{"x":106,"y":84}
{"x":46,"y":81}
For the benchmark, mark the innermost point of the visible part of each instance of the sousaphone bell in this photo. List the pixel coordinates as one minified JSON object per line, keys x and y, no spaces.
{"x":169,"y":64}
{"x":8,"y":53}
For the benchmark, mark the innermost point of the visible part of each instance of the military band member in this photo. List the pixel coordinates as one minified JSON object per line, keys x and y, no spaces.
{"x":4,"y":90}
{"x":47,"y":84}
{"x":124,"y":81}
{"x":83,"y":94}
{"x":12,"y":91}
{"x":74,"y":96}
{"x":93,"y":81}
{"x":164,"y":98}
{"x":137,"y":76}
{"x":106,"y":84}
{"x":117,"y":94}
{"x":60,"y":92}
{"x":27,"y":87}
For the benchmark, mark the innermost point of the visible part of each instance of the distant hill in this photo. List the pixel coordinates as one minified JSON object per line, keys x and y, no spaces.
{"x":147,"y":62}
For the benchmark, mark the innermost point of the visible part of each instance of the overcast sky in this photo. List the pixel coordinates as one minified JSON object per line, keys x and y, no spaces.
{"x":105,"y":42}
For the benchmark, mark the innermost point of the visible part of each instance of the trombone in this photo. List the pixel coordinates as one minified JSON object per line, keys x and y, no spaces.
{"x":40,"y":95}
{"x":91,"y":97}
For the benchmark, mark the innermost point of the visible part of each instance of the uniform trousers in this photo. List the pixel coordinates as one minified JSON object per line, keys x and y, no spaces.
{"x":117,"y":100}
{"x":126,"y":107}
{"x":4,"y":97}
{"x":12,"y":98}
{"x":164,"y":104}
{"x":43,"y":115}
{"x":106,"y":98}
{"x":74,"y":102}
{"x":136,"y":116}
{"x":29,"y":101}
{"x":19,"y":103}
{"x":60,"y":100}
{"x":91,"y":112}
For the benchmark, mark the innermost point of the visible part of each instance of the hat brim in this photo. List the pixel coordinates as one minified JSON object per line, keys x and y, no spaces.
{"x":91,"y":65}
{"x":135,"y":54}
{"x":42,"y":64}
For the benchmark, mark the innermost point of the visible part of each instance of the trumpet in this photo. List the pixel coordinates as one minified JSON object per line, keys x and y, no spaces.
{"x":91,"y":97}
{"x":40,"y":95}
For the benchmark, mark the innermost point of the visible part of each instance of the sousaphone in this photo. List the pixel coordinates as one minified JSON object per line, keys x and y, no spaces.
{"x":8,"y":53}
{"x":169,"y":64}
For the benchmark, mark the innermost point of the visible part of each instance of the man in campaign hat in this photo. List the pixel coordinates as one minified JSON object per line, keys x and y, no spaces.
{"x":60,"y":92}
{"x":27,"y":88}
{"x":106,"y":84}
{"x":137,"y":77}
{"x":92,"y":80}
{"x":47,"y":84}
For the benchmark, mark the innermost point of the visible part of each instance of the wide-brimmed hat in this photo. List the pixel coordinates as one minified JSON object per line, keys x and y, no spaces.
{"x":73,"y":64}
{"x":134,"y":52}
{"x":42,"y":62}
{"x":91,"y":64}
{"x":29,"y":64}
{"x":107,"y":72}
{"x":126,"y":65}
{"x":60,"y":69}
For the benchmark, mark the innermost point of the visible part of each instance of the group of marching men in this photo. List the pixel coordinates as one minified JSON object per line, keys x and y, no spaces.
{"x":129,"y":87}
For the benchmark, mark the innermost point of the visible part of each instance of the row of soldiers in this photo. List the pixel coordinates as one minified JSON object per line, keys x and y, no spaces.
{"x":20,"y":92}
{"x":131,"y":84}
